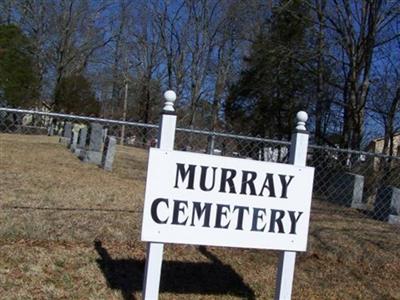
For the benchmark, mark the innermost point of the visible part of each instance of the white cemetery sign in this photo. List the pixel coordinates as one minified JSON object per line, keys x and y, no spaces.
{"x":212,"y":200}
{"x":219,"y":201}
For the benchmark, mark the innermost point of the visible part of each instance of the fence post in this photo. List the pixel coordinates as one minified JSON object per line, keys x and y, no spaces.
{"x":154,"y":255}
{"x":211,"y":143}
{"x":287,"y":259}
{"x":124,"y":113}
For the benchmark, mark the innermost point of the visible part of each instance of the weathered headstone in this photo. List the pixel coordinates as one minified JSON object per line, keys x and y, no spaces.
{"x":85,"y":143}
{"x":271,"y":154}
{"x":347,"y":189}
{"x":131,"y":140}
{"x":109,"y":152}
{"x":393,"y":219}
{"x":275,"y":154}
{"x":60,"y":128}
{"x":217,"y":152}
{"x":104,"y":134}
{"x":67,"y":134}
{"x":284,"y":151}
{"x":387,"y":203}
{"x":80,"y":147}
{"x":50,"y":129}
{"x":67,"y":129}
{"x":94,"y":151}
{"x":74,"y":140}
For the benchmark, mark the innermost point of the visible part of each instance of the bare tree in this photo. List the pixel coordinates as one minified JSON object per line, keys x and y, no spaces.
{"x":321,"y":101}
{"x":6,"y":11}
{"x":358,"y":27}
{"x":226,"y":49}
{"x":35,"y":21}
{"x":385,"y":98}
{"x":203,"y":17}
{"x":173,"y":29}
{"x":120,"y":62}
{"x":76,"y":35}
{"x":146,"y":52}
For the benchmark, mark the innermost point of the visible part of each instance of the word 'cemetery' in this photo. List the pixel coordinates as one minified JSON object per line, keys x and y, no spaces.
{"x":198,"y":214}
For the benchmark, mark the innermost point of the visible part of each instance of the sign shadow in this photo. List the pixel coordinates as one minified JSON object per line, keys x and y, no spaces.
{"x":204,"y":278}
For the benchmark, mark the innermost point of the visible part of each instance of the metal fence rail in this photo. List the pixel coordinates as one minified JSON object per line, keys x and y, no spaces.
{"x":348,"y":179}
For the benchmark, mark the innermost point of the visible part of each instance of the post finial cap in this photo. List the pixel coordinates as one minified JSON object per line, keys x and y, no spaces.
{"x":302,"y":118}
{"x":170,"y":97}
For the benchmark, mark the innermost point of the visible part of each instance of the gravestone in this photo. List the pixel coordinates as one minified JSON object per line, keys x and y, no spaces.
{"x":109,"y":152}
{"x":271,"y":154}
{"x":80,"y":147}
{"x":387,"y":203}
{"x":94,"y":150}
{"x":85,"y":143}
{"x":104,"y":134}
{"x":50,"y":129}
{"x":395,"y":220}
{"x":275,"y":154}
{"x":67,"y":134}
{"x":284,"y":152}
{"x":60,"y":128}
{"x":217,"y":152}
{"x":74,"y":140}
{"x":347,"y":189}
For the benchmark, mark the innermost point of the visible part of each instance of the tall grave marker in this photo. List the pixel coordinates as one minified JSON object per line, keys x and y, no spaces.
{"x":67,"y":133}
{"x":387,"y":204}
{"x":80,"y":146}
{"x":109,"y":152}
{"x":74,"y":140}
{"x":94,"y":151}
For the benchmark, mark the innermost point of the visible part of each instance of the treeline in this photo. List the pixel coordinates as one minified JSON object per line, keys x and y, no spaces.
{"x":236,"y":65}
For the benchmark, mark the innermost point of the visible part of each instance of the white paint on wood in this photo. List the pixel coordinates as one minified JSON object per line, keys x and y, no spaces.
{"x":154,"y":256}
{"x":287,"y":260}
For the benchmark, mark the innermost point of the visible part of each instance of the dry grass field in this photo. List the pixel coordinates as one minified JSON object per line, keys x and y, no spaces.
{"x":70,"y":230}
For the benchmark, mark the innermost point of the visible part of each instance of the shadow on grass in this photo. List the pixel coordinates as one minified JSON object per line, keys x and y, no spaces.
{"x":204,"y":278}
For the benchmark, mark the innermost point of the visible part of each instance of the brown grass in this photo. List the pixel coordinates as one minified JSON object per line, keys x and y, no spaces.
{"x":70,"y":230}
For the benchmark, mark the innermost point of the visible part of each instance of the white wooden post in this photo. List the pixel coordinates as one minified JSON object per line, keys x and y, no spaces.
{"x":154,"y":255}
{"x":287,"y":259}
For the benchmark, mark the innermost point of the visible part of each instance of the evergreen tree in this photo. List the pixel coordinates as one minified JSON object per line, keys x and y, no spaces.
{"x":74,"y":95}
{"x":274,"y":85}
{"x":18,"y":81}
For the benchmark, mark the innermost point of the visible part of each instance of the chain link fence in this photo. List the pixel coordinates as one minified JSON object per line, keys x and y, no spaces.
{"x":48,"y":194}
{"x":356,"y":197}
{"x":368,"y":182}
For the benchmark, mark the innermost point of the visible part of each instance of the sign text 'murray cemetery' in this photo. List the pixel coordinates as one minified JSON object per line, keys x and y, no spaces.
{"x":211,"y":200}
